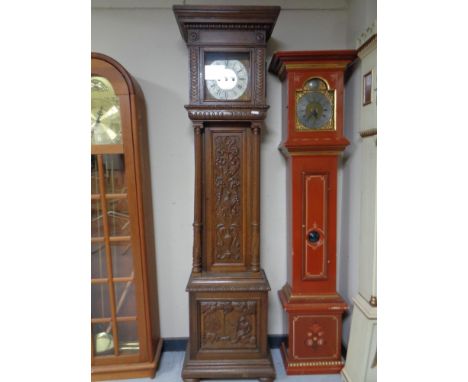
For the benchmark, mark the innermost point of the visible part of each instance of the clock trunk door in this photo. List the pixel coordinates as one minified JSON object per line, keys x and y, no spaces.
{"x":227,"y":207}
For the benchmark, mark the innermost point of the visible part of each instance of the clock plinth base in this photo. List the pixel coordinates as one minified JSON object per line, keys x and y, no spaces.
{"x":314,"y":340}
{"x":294,"y":367}
{"x":261,"y":369}
{"x":128,"y":370}
{"x":228,"y":327}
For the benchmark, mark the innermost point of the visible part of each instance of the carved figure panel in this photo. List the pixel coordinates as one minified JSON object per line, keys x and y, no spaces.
{"x":228,"y":324}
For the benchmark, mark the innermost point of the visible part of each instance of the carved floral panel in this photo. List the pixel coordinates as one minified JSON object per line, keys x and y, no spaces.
{"x":228,"y":324}
{"x":227,"y":178}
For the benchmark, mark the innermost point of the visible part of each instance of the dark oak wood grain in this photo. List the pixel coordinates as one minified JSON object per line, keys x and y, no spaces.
{"x":228,"y":290}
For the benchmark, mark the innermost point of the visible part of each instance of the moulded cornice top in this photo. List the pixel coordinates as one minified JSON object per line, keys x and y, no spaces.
{"x":284,"y":61}
{"x":130,"y":81}
{"x":209,"y":16}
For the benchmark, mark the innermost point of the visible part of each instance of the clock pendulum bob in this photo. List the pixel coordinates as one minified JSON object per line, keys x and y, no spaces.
{"x":228,"y":290}
{"x":312,"y":143}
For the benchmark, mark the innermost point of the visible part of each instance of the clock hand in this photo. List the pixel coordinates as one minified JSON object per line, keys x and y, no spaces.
{"x":110,"y":113}
{"x":96,"y":121}
{"x":110,"y":133}
{"x":311,"y":114}
{"x":99,"y":115}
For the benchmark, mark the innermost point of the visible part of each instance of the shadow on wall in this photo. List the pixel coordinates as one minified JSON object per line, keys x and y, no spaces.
{"x":350,"y":197}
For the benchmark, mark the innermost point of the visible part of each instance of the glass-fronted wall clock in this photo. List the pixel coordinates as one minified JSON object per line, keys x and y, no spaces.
{"x":124,"y":305}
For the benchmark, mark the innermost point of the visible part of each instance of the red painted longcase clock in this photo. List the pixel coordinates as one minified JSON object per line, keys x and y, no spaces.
{"x":313,"y":141}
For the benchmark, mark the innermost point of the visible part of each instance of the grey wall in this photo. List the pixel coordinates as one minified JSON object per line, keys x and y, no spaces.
{"x":147,"y":42}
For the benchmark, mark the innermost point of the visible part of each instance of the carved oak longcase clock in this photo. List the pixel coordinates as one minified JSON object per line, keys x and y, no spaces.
{"x":228,"y":291}
{"x":312,"y":141}
{"x":124,"y":301}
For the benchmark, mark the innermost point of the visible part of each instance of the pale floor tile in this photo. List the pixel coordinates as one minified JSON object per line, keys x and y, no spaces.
{"x":170,"y":369}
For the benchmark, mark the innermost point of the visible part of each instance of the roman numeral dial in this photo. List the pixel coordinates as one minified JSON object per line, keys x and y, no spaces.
{"x":226,"y":79}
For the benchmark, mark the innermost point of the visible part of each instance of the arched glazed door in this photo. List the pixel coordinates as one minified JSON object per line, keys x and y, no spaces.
{"x":124,"y":304}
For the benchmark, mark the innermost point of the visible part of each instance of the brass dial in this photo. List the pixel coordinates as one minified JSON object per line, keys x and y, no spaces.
{"x":105,"y":113}
{"x":314,"y":110}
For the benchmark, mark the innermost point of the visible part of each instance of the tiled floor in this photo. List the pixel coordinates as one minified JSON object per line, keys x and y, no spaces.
{"x":171,"y":367}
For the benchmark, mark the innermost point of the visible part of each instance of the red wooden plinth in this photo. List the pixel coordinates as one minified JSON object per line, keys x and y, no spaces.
{"x":314,"y":324}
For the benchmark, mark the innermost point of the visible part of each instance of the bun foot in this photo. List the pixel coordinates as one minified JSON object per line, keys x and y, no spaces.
{"x":266,"y":379}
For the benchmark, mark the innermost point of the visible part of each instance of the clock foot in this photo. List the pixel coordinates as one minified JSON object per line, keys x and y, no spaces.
{"x":191,"y":380}
{"x":265,"y":379}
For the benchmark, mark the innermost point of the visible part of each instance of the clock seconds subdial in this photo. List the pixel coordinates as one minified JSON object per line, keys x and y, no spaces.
{"x":226,"y":79}
{"x":314,"y":110}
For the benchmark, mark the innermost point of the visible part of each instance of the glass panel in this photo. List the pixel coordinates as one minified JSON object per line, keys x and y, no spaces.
{"x":125,"y":297}
{"x":100,"y":301}
{"x":122,"y":259}
{"x":94,"y":175}
{"x":114,"y":173}
{"x":105,"y":113}
{"x":97,"y":227}
{"x":102,"y":338}
{"x":119,"y":221}
{"x":98,"y":261}
{"x":128,"y":337}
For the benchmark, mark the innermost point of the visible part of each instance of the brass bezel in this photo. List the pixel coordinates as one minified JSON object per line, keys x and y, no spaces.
{"x":330,"y":94}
